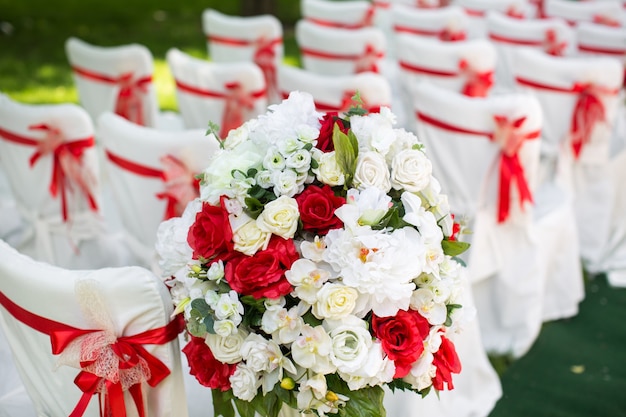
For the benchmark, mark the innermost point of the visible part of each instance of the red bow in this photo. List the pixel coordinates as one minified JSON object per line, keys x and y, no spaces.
{"x":345,"y":105}
{"x":478,"y":84}
{"x":514,"y":12}
{"x":450,"y":35}
{"x":238,"y":100}
{"x":588,"y":111}
{"x":368,"y":61}
{"x":265,"y":58}
{"x":67,"y":162}
{"x":552,"y":45}
{"x":129,"y":102}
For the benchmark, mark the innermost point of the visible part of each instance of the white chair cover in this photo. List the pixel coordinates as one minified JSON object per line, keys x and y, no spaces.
{"x":104,"y":74}
{"x":352,"y":14}
{"x":334,"y":93}
{"x":477,"y":11}
{"x":449,"y":23}
{"x":50,"y":162}
{"x":258,"y":39}
{"x":147,"y":184}
{"x":226,"y":93}
{"x":508,"y":34}
{"x":336,"y":51}
{"x":572,"y":90}
{"x":573,"y":12}
{"x":125,"y":301}
{"x":504,"y":264}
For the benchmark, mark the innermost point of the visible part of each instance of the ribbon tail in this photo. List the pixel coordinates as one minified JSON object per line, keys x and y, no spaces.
{"x":504,"y":199}
{"x":137,"y":394}
{"x":88,"y":383}
{"x":114,"y":405}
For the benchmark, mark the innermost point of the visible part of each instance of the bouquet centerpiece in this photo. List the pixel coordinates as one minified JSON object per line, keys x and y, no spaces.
{"x":317,"y":266}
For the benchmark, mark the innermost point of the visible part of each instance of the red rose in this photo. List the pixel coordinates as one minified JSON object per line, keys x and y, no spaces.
{"x":263,"y":274}
{"x":210,"y":236}
{"x":447,"y":362}
{"x":208,"y":371}
{"x":325,"y":139}
{"x":402,"y":338}
{"x":317,"y":209}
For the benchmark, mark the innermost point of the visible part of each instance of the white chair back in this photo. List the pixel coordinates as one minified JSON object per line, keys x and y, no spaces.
{"x":151,"y":173}
{"x":334,"y":93}
{"x":609,"y":13}
{"x":445,"y":23}
{"x":258,"y":39}
{"x":114,"y":79}
{"x":335,"y":51}
{"x":596,"y":39}
{"x":353,"y":14}
{"x":121,"y":302}
{"x":226,"y":93}
{"x":477,"y":11}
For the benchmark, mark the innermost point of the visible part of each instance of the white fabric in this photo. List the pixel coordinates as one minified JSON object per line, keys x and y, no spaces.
{"x":351,"y":13}
{"x":135,"y":300}
{"x":373,"y":88}
{"x":504,"y":260}
{"x":82,"y":241}
{"x":197,"y":110}
{"x":452,"y":18}
{"x":583,"y":11}
{"x":501,"y":28}
{"x":477,"y":10}
{"x":141,"y":211}
{"x":586,"y":178}
{"x":340,"y":42}
{"x":98,"y":97}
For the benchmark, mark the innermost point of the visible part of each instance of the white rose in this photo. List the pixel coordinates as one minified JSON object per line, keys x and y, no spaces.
{"x":371,"y":171}
{"x":235,"y":136}
{"x":285,"y":182}
{"x":226,"y":349}
{"x":351,"y":342}
{"x":263,"y":178}
{"x":224,"y":327}
{"x":410,"y":170}
{"x":280,"y":217}
{"x":249,"y":238}
{"x":335,"y":301}
{"x":255,"y":352}
{"x":328,"y":170}
{"x":244,"y":382}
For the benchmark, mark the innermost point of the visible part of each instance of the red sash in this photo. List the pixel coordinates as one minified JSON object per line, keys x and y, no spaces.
{"x":128,"y":353}
{"x":67,"y":162}
{"x":507,"y":134}
{"x":237,"y":102}
{"x":477,"y":83}
{"x":129,"y":102}
{"x":588,"y":110}
{"x":366,"y":21}
{"x":181,"y":186}
{"x":445,"y":34}
{"x":550,"y":43}
{"x":365,"y":61}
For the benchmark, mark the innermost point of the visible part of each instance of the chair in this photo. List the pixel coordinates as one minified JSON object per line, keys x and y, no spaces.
{"x":50,"y":161}
{"x":579,"y":98}
{"x":334,"y":93}
{"x":151,"y":174}
{"x":45,"y":314}
{"x":227,"y":93}
{"x":258,"y":39}
{"x":608,"y":13}
{"x":445,"y":23}
{"x":508,"y":34}
{"x":353,"y":14}
{"x":471,"y":141}
{"x":117,"y":79}
{"x":335,"y":51}
{"x":477,"y":11}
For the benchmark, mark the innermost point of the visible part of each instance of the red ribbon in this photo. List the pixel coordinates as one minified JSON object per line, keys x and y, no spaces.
{"x":507,"y":134}
{"x":477,"y":83}
{"x":550,"y":43}
{"x":445,"y":34}
{"x":588,"y":110}
{"x":365,"y":61}
{"x":606,"y":21}
{"x":346,"y":104}
{"x":128,"y":350}
{"x":129,"y":102}
{"x":238,"y":100}
{"x":66,"y":162}
{"x":514,"y":12}
{"x":366,"y":21}
{"x":181,"y":186}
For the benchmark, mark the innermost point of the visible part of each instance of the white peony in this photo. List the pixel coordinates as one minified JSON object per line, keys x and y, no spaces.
{"x":335,"y":301}
{"x":410,"y":170}
{"x":280,"y":217}
{"x":371,"y":171}
{"x":226,"y":349}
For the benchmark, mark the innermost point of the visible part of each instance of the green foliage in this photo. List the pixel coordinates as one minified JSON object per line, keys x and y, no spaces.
{"x":453,"y":247}
{"x":366,"y":402}
{"x":346,"y":152}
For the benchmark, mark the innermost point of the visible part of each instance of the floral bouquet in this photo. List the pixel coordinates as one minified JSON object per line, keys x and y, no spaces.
{"x":317,"y":266}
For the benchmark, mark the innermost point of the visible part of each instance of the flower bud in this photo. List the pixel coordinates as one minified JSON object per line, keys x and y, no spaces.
{"x":196,"y":268}
{"x":287,"y":383}
{"x":331,"y":396}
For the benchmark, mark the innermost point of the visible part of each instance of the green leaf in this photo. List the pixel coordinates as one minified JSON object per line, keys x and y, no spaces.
{"x":252,"y":172}
{"x":200,"y":306}
{"x":454,"y":247}
{"x":222,"y":404}
{"x":311,"y":320}
{"x":287,"y":397}
{"x":245,"y":408}
{"x":366,"y":402}
{"x":346,"y":152}
{"x":256,"y":191}
{"x":254,"y":207}
{"x":314,"y":164}
{"x":209,"y":322}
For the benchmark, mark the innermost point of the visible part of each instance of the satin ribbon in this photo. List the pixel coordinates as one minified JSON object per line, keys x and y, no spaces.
{"x":445,"y":34}
{"x":128,"y":352}
{"x":604,"y":51}
{"x":365,"y":61}
{"x":66,"y":162}
{"x":264,"y":56}
{"x":181,"y":186}
{"x":366,"y":21}
{"x":506,"y":134}
{"x":477,"y":83}
{"x":129,"y":103}
{"x":588,"y":109}
{"x":346,"y":103}
{"x":382,"y":4}
{"x":237,"y":101}
{"x":550,"y":43}
{"x":606,"y":21}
